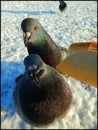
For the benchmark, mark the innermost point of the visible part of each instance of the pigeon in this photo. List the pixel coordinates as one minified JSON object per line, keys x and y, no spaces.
{"x":38,"y":41}
{"x":62,"y":5}
{"x":42,"y":94}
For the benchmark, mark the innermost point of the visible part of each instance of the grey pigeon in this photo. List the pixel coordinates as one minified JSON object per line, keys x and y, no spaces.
{"x":38,"y":41}
{"x":42,"y":93}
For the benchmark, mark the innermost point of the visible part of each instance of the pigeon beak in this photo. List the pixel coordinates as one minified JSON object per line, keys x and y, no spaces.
{"x":32,"y":70}
{"x":26,"y":37}
{"x":35,"y":72}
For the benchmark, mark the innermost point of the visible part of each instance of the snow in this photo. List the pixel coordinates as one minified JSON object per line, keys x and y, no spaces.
{"x":77,"y":24}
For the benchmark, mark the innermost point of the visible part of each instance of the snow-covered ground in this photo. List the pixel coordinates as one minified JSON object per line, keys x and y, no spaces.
{"x":77,"y":24}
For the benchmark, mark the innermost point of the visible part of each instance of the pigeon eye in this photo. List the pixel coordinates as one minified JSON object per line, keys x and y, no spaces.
{"x":39,"y":62}
{"x":35,"y":27}
{"x":28,"y":72}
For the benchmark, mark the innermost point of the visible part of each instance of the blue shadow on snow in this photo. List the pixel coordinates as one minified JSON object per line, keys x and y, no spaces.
{"x":9,"y":72}
{"x":29,"y":12}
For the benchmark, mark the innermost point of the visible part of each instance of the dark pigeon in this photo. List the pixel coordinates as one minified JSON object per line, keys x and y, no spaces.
{"x":62,"y":6}
{"x":42,"y":93}
{"x":38,"y":41}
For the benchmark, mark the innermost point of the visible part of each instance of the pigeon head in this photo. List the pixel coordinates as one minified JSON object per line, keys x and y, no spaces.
{"x":32,"y":31}
{"x":34,"y":66}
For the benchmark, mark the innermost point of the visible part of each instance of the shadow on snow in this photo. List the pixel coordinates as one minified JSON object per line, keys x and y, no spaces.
{"x":9,"y":72}
{"x":29,"y":12}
